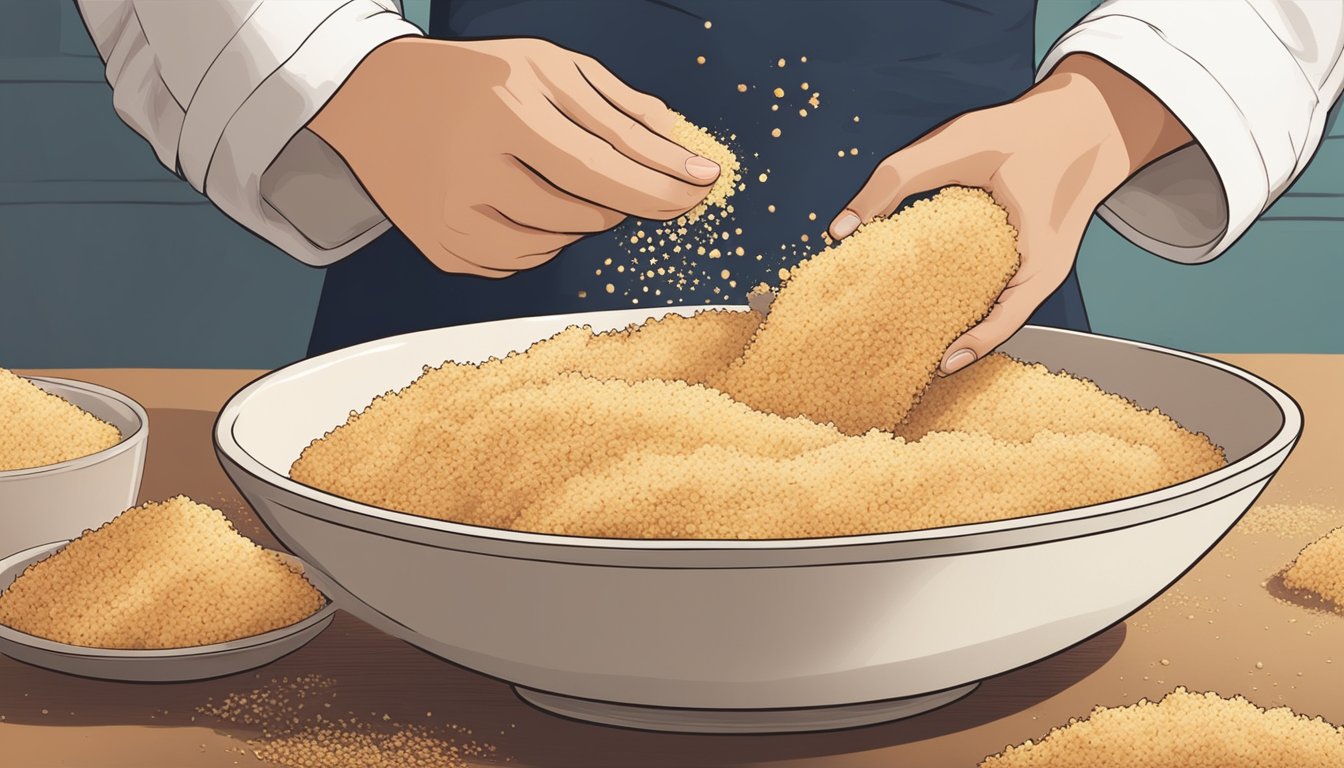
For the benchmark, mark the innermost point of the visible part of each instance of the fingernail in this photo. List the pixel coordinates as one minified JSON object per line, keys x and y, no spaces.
{"x":845,"y":225}
{"x":958,"y":360}
{"x":702,"y":168}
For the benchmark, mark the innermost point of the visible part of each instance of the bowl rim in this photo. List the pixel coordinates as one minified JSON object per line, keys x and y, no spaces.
{"x":343,"y":511}
{"x":126,"y":443}
{"x":148,"y":654}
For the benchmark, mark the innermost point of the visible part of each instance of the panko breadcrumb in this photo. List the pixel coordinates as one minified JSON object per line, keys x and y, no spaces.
{"x":646,"y":432}
{"x":1183,"y":730}
{"x":1010,"y":400}
{"x":702,"y":142}
{"x":1319,"y":569}
{"x":38,"y":428}
{"x":659,"y":459}
{"x":857,"y":331}
{"x":173,"y":574}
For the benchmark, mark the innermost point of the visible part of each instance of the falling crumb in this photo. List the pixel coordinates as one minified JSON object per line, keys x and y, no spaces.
{"x":853,"y":150}
{"x":725,"y":274}
{"x":774,"y":107}
{"x":815,"y":101}
{"x":770,"y":207}
{"x":841,"y":153}
{"x":802,"y":113}
{"x":775,"y":132}
{"x":803,"y":59}
{"x":779,"y":93}
{"x":1166,"y":662}
{"x":762,"y":178}
{"x":803,"y":237}
{"x":780,"y":63}
{"x":583,"y":294}
{"x":805,"y":86}
{"x":856,"y":118}
{"x":812,"y":216}
{"x":699,"y":59}
{"x":708,"y":24}
{"x":741,"y":87}
{"x":610,"y":288}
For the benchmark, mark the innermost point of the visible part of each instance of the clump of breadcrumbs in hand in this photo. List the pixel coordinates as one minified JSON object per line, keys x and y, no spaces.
{"x":38,"y":428}
{"x":1183,"y":730}
{"x":858,"y":330}
{"x":702,"y":142}
{"x":1010,"y":400}
{"x":1319,"y":569}
{"x":173,"y":574}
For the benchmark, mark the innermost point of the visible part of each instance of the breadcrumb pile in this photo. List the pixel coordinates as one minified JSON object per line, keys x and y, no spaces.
{"x":38,"y":428}
{"x":690,"y":427}
{"x":1014,"y":401}
{"x":1319,"y":569}
{"x":1183,"y":730}
{"x":703,"y":143}
{"x":857,"y":331}
{"x":173,"y":574}
{"x":300,"y":728}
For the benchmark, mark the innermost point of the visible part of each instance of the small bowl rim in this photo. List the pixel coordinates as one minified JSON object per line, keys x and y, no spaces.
{"x":331,"y":505}
{"x":127,"y":442}
{"x":151,"y":654}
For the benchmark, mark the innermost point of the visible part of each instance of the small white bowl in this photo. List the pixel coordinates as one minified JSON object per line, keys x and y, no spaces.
{"x":152,"y":666}
{"x":60,"y":501}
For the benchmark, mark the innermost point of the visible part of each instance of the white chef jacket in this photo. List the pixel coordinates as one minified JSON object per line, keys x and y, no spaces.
{"x":223,"y":89}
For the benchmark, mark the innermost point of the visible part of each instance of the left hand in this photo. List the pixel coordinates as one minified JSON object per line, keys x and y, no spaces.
{"x":1049,"y":158}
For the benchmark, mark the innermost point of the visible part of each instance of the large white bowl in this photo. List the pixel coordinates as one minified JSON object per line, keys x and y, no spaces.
{"x":750,"y":635}
{"x":57,"y":502}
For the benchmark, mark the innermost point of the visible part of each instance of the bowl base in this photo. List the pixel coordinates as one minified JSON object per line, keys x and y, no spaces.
{"x":792,"y":720}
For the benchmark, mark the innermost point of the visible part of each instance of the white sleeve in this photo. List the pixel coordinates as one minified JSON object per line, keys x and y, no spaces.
{"x":223,"y":89}
{"x":1252,"y":81}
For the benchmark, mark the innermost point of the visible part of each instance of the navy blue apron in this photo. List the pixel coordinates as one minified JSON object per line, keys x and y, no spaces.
{"x":901,"y":67}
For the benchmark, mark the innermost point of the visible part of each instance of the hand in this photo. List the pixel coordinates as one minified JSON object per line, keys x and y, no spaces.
{"x":492,"y":155}
{"x":1049,"y":158}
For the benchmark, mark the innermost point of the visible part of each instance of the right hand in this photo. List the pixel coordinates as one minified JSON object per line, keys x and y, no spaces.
{"x":492,"y":155}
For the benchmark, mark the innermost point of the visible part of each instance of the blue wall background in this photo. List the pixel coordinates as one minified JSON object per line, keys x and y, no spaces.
{"x":107,"y":259}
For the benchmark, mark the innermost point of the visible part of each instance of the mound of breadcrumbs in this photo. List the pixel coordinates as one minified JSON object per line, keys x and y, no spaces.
{"x":1183,"y":730}
{"x":164,"y":575}
{"x":1319,"y":569}
{"x":675,"y":428}
{"x":38,"y":428}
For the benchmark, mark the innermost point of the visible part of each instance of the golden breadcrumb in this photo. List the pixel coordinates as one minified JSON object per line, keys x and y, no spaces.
{"x":1010,"y":400}
{"x":1183,"y":730}
{"x":658,"y":459}
{"x":1319,"y":568}
{"x":173,"y":574}
{"x":857,"y":331}
{"x":694,"y":427}
{"x":38,"y":428}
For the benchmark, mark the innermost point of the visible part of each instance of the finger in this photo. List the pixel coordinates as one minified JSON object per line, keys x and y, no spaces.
{"x":931,"y":162}
{"x":1008,"y":314}
{"x":574,"y":94}
{"x":535,"y":203}
{"x":587,"y":167}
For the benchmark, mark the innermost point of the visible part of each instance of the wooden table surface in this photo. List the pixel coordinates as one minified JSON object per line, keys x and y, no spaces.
{"x":1223,"y":627}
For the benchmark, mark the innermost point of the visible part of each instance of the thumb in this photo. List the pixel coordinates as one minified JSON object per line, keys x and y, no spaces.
{"x":1009,"y":313}
{"x":931,"y":162}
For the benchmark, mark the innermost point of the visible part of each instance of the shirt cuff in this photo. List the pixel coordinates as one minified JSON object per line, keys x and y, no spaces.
{"x":244,"y":143}
{"x":1243,"y":104}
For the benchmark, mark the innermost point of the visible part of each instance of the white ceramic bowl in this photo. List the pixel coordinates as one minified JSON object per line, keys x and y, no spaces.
{"x":158,"y":665}
{"x":57,"y":502}
{"x":750,"y":635}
